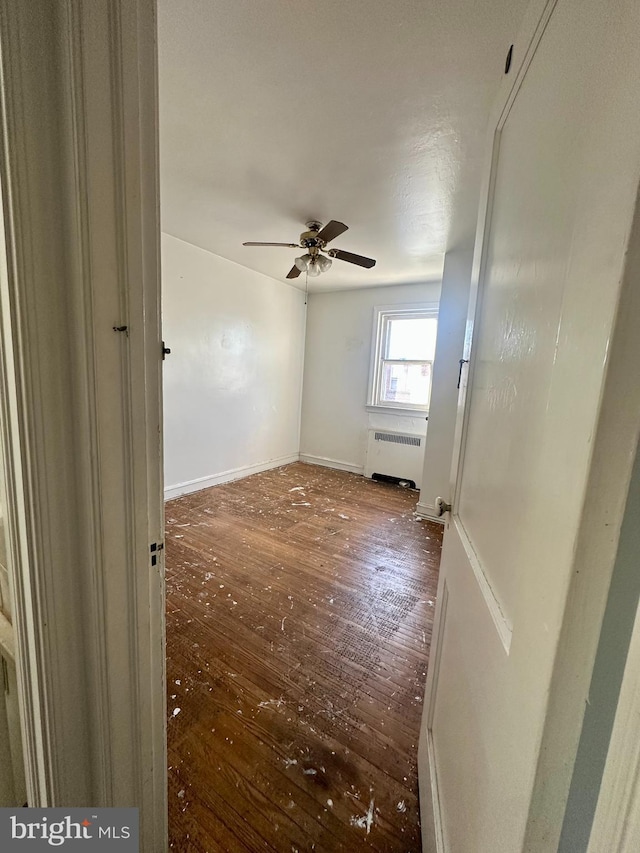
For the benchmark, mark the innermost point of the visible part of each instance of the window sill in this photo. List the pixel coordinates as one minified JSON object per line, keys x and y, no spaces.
{"x":404,"y":413}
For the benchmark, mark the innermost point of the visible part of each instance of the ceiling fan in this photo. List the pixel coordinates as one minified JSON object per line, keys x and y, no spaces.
{"x":314,"y":240}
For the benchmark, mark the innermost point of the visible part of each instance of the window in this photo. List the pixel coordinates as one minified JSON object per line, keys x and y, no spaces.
{"x":404,"y":347}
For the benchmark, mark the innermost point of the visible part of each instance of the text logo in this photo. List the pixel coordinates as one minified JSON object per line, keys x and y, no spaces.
{"x":33,"y":830}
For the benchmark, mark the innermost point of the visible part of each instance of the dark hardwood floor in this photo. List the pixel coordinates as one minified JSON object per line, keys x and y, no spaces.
{"x":299,"y":612}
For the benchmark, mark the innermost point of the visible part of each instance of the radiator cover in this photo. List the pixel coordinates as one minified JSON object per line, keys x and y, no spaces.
{"x":395,"y":454}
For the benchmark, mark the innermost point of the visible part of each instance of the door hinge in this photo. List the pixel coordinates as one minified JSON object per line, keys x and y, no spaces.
{"x":155,"y":549}
{"x":165,"y":351}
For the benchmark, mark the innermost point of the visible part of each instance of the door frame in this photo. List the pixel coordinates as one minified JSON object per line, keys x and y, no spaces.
{"x":24,"y":623}
{"x":79,"y":163}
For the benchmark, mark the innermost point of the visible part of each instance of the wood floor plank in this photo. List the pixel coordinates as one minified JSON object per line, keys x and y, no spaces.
{"x":300,"y":605}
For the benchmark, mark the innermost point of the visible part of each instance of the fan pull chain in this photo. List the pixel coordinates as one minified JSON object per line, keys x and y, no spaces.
{"x":306,"y":286}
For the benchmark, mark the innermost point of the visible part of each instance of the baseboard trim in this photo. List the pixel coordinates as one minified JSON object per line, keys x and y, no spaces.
{"x":429,"y":513}
{"x":226,"y":476}
{"x":246,"y":471}
{"x":326,"y":462}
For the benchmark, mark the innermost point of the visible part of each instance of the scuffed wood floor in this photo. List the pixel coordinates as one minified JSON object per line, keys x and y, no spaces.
{"x":300,"y":604}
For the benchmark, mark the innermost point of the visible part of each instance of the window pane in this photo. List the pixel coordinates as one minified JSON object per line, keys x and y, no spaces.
{"x":412,"y":338}
{"x":408,"y":384}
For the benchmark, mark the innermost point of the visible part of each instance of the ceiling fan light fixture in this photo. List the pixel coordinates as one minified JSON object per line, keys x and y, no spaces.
{"x":314,"y":269}
{"x":323,"y":263}
{"x":303,"y":263}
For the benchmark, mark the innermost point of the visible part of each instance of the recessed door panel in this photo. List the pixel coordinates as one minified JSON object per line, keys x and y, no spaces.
{"x":511,"y":495}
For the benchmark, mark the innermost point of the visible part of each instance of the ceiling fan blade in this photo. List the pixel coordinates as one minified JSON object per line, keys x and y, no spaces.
{"x":294,"y":272}
{"x":288,"y":245}
{"x":332,"y":230}
{"x":350,"y":258}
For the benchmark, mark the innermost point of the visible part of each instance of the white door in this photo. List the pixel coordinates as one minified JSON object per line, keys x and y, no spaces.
{"x":550,"y":421}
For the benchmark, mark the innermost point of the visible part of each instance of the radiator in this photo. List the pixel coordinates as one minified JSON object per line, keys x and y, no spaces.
{"x":395,"y":454}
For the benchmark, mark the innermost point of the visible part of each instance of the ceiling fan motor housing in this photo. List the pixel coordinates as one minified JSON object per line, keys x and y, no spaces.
{"x":309,"y":239}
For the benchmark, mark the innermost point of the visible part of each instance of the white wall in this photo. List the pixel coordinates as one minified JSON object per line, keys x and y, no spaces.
{"x":336,"y":373}
{"x":232,"y":383}
{"x":452,"y":318}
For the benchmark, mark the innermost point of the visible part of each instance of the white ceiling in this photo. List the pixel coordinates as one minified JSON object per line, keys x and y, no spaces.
{"x":374,"y":113}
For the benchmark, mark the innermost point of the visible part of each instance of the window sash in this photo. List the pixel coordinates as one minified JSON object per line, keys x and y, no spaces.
{"x":382,"y":327}
{"x":406,"y":361}
{"x":400,"y":404}
{"x":389,"y":317}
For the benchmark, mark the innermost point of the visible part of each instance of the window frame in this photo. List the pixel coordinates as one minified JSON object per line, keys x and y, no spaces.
{"x":382,"y":316}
